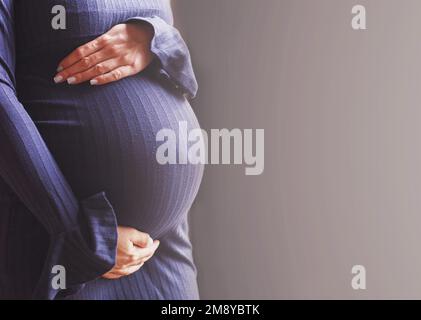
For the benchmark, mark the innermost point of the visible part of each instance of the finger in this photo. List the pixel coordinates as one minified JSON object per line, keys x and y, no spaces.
{"x":148,"y":257}
{"x":142,"y":253}
{"x":125,"y":271}
{"x":82,"y":65}
{"x":84,"y":51}
{"x":140,"y":239}
{"x":117,"y":271}
{"x":97,"y":70}
{"x":148,"y":252}
{"x":131,"y":262}
{"x":111,"y":276}
{"x":135,"y":262}
{"x":115,"y":75}
{"x":139,"y":255}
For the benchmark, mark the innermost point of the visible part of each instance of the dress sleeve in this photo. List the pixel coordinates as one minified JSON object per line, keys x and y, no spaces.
{"x":172,"y":53}
{"x":83,"y":234}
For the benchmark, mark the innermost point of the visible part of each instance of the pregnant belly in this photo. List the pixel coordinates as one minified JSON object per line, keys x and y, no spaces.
{"x":104,"y":139}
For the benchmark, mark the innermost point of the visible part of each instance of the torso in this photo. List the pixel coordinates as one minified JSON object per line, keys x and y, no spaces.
{"x":103,"y":138}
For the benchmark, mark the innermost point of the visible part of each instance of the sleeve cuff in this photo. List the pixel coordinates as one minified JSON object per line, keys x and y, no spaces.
{"x":86,"y":252}
{"x":173,"y":54}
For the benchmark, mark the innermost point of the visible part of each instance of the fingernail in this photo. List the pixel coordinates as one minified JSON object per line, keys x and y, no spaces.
{"x":150,"y":241}
{"x":58,"y":79}
{"x":94,"y":82}
{"x":60,"y":68}
{"x":71,"y":80}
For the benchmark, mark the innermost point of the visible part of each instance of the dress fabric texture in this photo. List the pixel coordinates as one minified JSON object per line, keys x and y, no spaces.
{"x":76,"y":161}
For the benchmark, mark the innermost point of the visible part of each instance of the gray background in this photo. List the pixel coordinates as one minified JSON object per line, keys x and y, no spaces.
{"x":342,"y":118}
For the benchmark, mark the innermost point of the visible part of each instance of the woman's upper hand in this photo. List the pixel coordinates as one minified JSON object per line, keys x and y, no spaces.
{"x":121,"y":52}
{"x":134,"y":248}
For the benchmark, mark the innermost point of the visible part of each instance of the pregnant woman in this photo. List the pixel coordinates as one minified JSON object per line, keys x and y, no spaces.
{"x":80,"y":187}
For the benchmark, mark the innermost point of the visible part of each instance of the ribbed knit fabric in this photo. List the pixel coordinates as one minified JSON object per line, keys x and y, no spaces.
{"x":76,"y":161}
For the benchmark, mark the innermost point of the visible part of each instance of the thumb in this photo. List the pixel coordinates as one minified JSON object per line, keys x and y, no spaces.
{"x":141,"y":239}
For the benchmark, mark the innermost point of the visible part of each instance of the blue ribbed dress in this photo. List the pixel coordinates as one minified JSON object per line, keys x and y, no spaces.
{"x":76,"y":161}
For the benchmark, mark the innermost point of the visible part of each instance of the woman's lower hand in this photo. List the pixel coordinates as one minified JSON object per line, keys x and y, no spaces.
{"x":134,"y":248}
{"x":121,"y":52}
